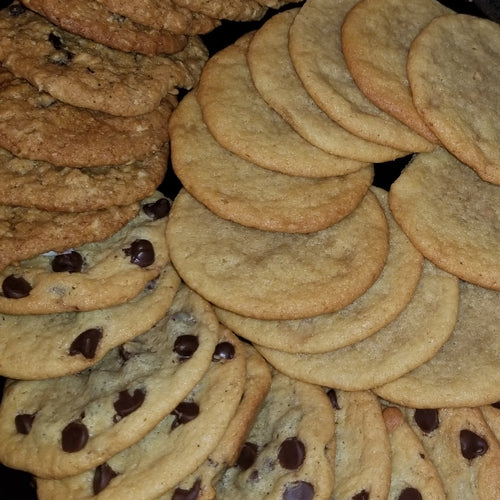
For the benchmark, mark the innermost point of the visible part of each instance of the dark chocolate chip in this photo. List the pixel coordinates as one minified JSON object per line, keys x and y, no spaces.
{"x":223,"y":350}
{"x":299,"y":490}
{"x":362,"y":495}
{"x":56,"y":41}
{"x":185,"y":346}
{"x":291,"y":453}
{"x":184,"y":413}
{"x":102,"y":477}
{"x":427,"y":419}
{"x":332,"y":396}
{"x":127,"y":403}
{"x":472,"y":445}
{"x":71,"y":262}
{"x":86,"y":343}
{"x":74,"y":436}
{"x":24,"y":422}
{"x":15,"y":287}
{"x":191,"y":494}
{"x":247,"y":456}
{"x":16,"y":9}
{"x":141,"y":253}
{"x":410,"y":494}
{"x":496,"y":405}
{"x":157,"y":210}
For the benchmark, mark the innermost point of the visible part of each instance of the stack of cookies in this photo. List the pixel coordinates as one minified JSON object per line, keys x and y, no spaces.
{"x":286,"y":329}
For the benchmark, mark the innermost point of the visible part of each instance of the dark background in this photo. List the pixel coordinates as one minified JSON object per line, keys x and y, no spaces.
{"x":18,"y":485}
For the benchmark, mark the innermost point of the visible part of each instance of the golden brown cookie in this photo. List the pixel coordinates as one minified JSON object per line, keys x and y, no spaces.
{"x":277,"y":275}
{"x":234,"y":10}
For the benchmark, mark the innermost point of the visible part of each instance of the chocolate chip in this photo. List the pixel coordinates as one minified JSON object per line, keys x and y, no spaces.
{"x":223,"y":350}
{"x":102,"y":477}
{"x":24,"y":422}
{"x":332,"y":396}
{"x":15,"y":287}
{"x":74,"y":436}
{"x":247,"y":456}
{"x":55,"y":40}
{"x":86,"y":343}
{"x":127,"y":403}
{"x":16,"y":9}
{"x":291,"y":453}
{"x":410,"y":494}
{"x":472,"y":445}
{"x":157,"y":210}
{"x":362,"y":495}
{"x":184,"y":413}
{"x":71,"y":262}
{"x":185,"y":346}
{"x":299,"y":490}
{"x":191,"y":494}
{"x":496,"y":405}
{"x":427,"y":419}
{"x":141,"y":253}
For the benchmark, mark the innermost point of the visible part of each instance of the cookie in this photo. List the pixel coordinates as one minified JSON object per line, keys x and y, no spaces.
{"x":243,"y":192}
{"x":451,"y":215}
{"x":36,"y":126}
{"x":242,"y":122}
{"x":377,"y":307}
{"x":95,"y":22}
{"x":277,"y":275}
{"x":27,"y":232}
{"x":234,"y":10}
{"x":410,"y":340}
{"x":95,"y":275}
{"x":275,"y":78}
{"x":376,"y":38}
{"x":54,"y":345}
{"x":203,"y":480}
{"x":316,"y":52}
{"x":164,"y":15}
{"x":37,"y":184}
{"x":79,"y":421}
{"x":175,"y":447}
{"x":78,"y":71}
{"x":453,"y":75}
{"x":285,"y":455}
{"x":412,"y":471}
{"x":463,"y":449}
{"x":463,"y":372}
{"x":362,"y":445}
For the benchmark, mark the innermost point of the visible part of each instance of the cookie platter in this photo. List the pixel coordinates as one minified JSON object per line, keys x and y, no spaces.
{"x":239,"y":357}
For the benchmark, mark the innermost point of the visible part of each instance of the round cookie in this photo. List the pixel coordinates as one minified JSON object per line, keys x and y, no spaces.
{"x":243,"y":192}
{"x":54,"y":345}
{"x":362,"y":445}
{"x":374,"y":309}
{"x":462,"y":447}
{"x":453,"y":73}
{"x":94,"y":276}
{"x":376,"y":38}
{"x":275,"y":78}
{"x":463,"y":372}
{"x":202,"y":481}
{"x":87,"y":74}
{"x":234,"y":10}
{"x":451,"y":215}
{"x":412,"y":472}
{"x":95,"y":22}
{"x":316,"y":51}
{"x":63,"y":426}
{"x":37,"y":184}
{"x":179,"y":443}
{"x":277,"y":275}
{"x":242,"y":122}
{"x":34,"y":125}
{"x":410,"y":340}
{"x":28,"y":232}
{"x":163,"y":15}
{"x":286,"y":453}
